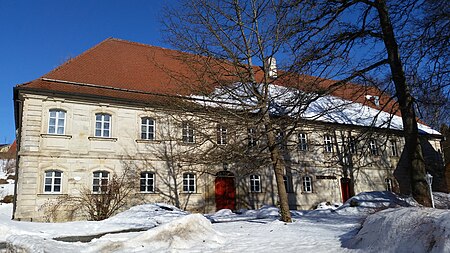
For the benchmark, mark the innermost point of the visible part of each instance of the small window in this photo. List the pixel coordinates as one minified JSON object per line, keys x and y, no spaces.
{"x":352,"y":145}
{"x":288,"y":183}
{"x":307,"y":184}
{"x":52,"y":181}
{"x":222,"y":133}
{"x":280,"y":140}
{"x":393,"y":147}
{"x":147,"y":182}
{"x":188,"y":132}
{"x":388,"y":182}
{"x":302,"y":142}
{"x":189,"y":184}
{"x":147,"y":129}
{"x":102,"y":125}
{"x":255,"y":183}
{"x":100,"y":181}
{"x":56,"y":121}
{"x":373,"y":148}
{"x":328,"y":144}
{"x":251,"y":137}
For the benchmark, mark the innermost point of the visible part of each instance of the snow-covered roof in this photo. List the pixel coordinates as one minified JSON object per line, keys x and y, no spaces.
{"x":295,"y":103}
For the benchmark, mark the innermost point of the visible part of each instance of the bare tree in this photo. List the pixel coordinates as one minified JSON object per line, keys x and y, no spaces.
{"x":333,"y":34}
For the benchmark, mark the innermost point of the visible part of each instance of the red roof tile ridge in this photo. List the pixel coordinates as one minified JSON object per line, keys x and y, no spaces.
{"x":147,"y":45}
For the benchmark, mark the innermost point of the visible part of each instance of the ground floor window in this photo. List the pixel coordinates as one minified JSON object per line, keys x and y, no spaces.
{"x":100,"y":181}
{"x":388,"y":182}
{"x":307,"y":184}
{"x":189,"y":184}
{"x":288,"y":183}
{"x":147,"y":182}
{"x":255,"y":183}
{"x":52,"y":181}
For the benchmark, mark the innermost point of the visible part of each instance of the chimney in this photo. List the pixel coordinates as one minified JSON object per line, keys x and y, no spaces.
{"x":271,"y":64}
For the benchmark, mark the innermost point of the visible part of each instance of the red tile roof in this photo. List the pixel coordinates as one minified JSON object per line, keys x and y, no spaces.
{"x":137,"y":72}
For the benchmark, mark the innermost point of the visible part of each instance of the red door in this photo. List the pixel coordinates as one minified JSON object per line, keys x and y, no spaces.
{"x":225,"y":193}
{"x":345,"y":189}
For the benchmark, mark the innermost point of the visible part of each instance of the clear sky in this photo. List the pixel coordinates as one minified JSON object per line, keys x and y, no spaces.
{"x":39,"y":35}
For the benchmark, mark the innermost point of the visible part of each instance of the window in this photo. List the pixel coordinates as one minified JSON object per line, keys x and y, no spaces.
{"x":147,"y":182}
{"x":388,"y":182}
{"x":307,"y":184}
{"x":52,"y":181}
{"x":221,"y":135}
{"x":302,"y":142}
{"x":100,"y":181}
{"x":352,"y":145}
{"x":288,"y":183}
{"x":188,"y":132}
{"x":251,"y":137}
{"x":328,"y":144}
{"x":280,"y":140}
{"x":373,"y":148}
{"x":147,"y":129}
{"x":189,"y":182}
{"x":393,"y":146}
{"x":102,"y":125}
{"x":255,"y":183}
{"x":56,"y":121}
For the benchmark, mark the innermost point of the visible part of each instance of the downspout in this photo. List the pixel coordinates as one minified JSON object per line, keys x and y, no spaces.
{"x":18,"y":110}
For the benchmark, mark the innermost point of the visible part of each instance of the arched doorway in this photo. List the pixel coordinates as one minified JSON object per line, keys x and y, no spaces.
{"x":225,"y":190}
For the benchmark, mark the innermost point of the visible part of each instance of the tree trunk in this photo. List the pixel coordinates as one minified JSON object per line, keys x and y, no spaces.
{"x":412,"y":159}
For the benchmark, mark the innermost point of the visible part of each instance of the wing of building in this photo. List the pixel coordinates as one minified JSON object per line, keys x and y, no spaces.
{"x":188,"y":141}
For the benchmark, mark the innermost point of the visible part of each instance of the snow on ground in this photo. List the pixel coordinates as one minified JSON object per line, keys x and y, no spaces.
{"x":369,"y":222}
{"x":6,"y":189}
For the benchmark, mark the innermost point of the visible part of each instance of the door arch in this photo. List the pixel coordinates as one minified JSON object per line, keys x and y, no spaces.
{"x":225,"y":190}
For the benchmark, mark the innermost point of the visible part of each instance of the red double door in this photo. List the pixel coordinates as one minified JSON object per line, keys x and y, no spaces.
{"x":225,"y":193}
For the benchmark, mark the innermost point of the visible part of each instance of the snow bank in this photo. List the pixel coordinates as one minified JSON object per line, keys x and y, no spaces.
{"x":405,"y":230}
{"x":369,"y":202}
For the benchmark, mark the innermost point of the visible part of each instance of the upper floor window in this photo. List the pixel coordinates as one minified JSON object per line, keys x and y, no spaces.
{"x":52,"y":181}
{"x":280,"y":140}
{"x":100,"y":181}
{"x":188,"y":132}
{"x":189,"y":184}
{"x":302,"y":142}
{"x":373,"y":148}
{"x":352,"y":145}
{"x":56,"y":121}
{"x":147,"y":129}
{"x":255,"y":183}
{"x":222,"y":133}
{"x":147,"y":182}
{"x":328,"y":144}
{"x":102,"y":125}
{"x":393,"y":148}
{"x":251,"y":137}
{"x":307,"y":184}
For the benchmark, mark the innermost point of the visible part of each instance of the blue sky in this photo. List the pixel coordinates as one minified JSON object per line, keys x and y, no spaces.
{"x":37,"y":36}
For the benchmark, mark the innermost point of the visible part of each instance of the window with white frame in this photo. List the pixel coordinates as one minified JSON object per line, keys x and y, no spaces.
{"x":288,"y":183}
{"x":388,"y":182}
{"x":188,"y":132}
{"x":147,"y":182}
{"x":100,"y":181}
{"x":251,"y":137}
{"x":307,"y":184}
{"x":189,"y":184}
{"x":393,"y":147}
{"x":222,"y":133}
{"x":52,"y":181}
{"x":56,"y":121}
{"x":373,"y":148}
{"x":255,"y":183}
{"x":147,"y":128}
{"x":102,"y":125}
{"x":328,"y":143}
{"x":302,"y":142}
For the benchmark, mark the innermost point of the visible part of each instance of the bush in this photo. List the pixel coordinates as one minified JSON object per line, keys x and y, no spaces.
{"x":8,"y":199}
